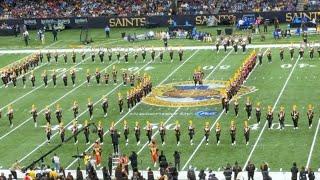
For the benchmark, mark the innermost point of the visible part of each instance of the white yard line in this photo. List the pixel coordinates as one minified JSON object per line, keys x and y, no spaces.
{"x":52,"y":44}
{"x":74,"y":161}
{"x":42,"y":84}
{"x":274,"y":106}
{"x":313,"y":144}
{"x":123,"y":49}
{"x":214,"y":123}
{"x":23,"y":158}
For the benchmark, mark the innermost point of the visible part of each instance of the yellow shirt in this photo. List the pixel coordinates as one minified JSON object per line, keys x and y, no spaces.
{"x":86,"y":159}
{"x":32,"y":174}
{"x":53,"y":174}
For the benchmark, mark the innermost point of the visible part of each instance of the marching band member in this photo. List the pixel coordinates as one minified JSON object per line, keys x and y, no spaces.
{"x":191,"y":130}
{"x":246,"y":131}
{"x":162,"y":131}
{"x":10,"y":115}
{"x":310,"y":115}
{"x":269,"y":117}
{"x":75,"y":109}
{"x":295,"y":117}
{"x":75,"y":131}
{"x":126,"y":131}
{"x":100,"y":132}
{"x":137,"y":132}
{"x":90,"y":108}
{"x":34,"y":114}
{"x":281,"y":116}
{"x":47,"y":114}
{"x":178,"y":132}
{"x":86,"y":132}
{"x":48,"y":132}
{"x":233,"y":130}
{"x":149,"y":131}
{"x":218,"y":132}
{"x":105,"y":105}
{"x":207,"y":132}
{"x":61,"y":132}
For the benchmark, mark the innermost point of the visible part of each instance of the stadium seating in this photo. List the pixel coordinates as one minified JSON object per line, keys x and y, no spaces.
{"x":257,"y":6}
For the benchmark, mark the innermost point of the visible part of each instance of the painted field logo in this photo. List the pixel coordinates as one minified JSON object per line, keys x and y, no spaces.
{"x":205,"y":113}
{"x":185,"y":94}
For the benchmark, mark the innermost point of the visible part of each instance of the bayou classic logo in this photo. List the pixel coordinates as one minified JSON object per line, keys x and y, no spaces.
{"x":205,"y":113}
{"x":185,"y":94}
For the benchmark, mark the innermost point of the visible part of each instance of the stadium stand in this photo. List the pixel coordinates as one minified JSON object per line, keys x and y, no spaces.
{"x":233,"y":6}
{"x":94,"y":8}
{"x":312,"y":5}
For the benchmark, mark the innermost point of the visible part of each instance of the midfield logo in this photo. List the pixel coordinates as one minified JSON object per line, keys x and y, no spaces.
{"x":186,"y":94}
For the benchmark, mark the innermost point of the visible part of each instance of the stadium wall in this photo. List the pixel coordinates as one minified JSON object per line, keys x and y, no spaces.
{"x":142,"y":21}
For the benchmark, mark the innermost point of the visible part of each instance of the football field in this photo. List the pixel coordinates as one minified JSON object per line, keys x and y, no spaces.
{"x":280,"y":83}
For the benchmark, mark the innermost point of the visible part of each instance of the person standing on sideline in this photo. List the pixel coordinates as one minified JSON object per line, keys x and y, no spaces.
{"x":176,"y":156}
{"x":294,"y":171}
{"x":55,"y":34}
{"x":16,"y":30}
{"x":134,"y":160}
{"x":250,"y":169}
{"x":17,"y":167}
{"x":26,"y":37}
{"x":107,"y":31}
{"x":56,"y":162}
{"x":110,"y":164}
{"x":227,"y":172}
{"x":236,"y":169}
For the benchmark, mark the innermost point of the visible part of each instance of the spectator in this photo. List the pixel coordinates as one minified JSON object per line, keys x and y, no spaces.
{"x":236,"y":169}
{"x":265,"y":171}
{"x":191,"y":175}
{"x":303,"y":173}
{"x":227,"y":172}
{"x":14,"y":168}
{"x":250,"y":169}
{"x":212,"y":176}
{"x":150,"y":174}
{"x":134,"y":160}
{"x":202,"y":175}
{"x":3,"y":177}
{"x":110,"y":164}
{"x":118,"y":172}
{"x":176,"y":156}
{"x":163,"y":160}
{"x":62,"y":173}
{"x":69,"y":176}
{"x":311,"y":175}
{"x":105,"y":172}
{"x":79,"y":174}
{"x":294,"y":171}
{"x":27,"y":177}
{"x":53,"y":174}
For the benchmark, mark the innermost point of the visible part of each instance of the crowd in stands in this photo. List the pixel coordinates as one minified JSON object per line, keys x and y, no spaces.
{"x":93,"y":8}
{"x":196,"y":6}
{"x":232,"y":6}
{"x":312,"y":5}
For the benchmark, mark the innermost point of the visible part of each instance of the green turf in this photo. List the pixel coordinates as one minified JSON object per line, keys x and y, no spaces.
{"x":7,"y":59}
{"x":278,"y":148}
